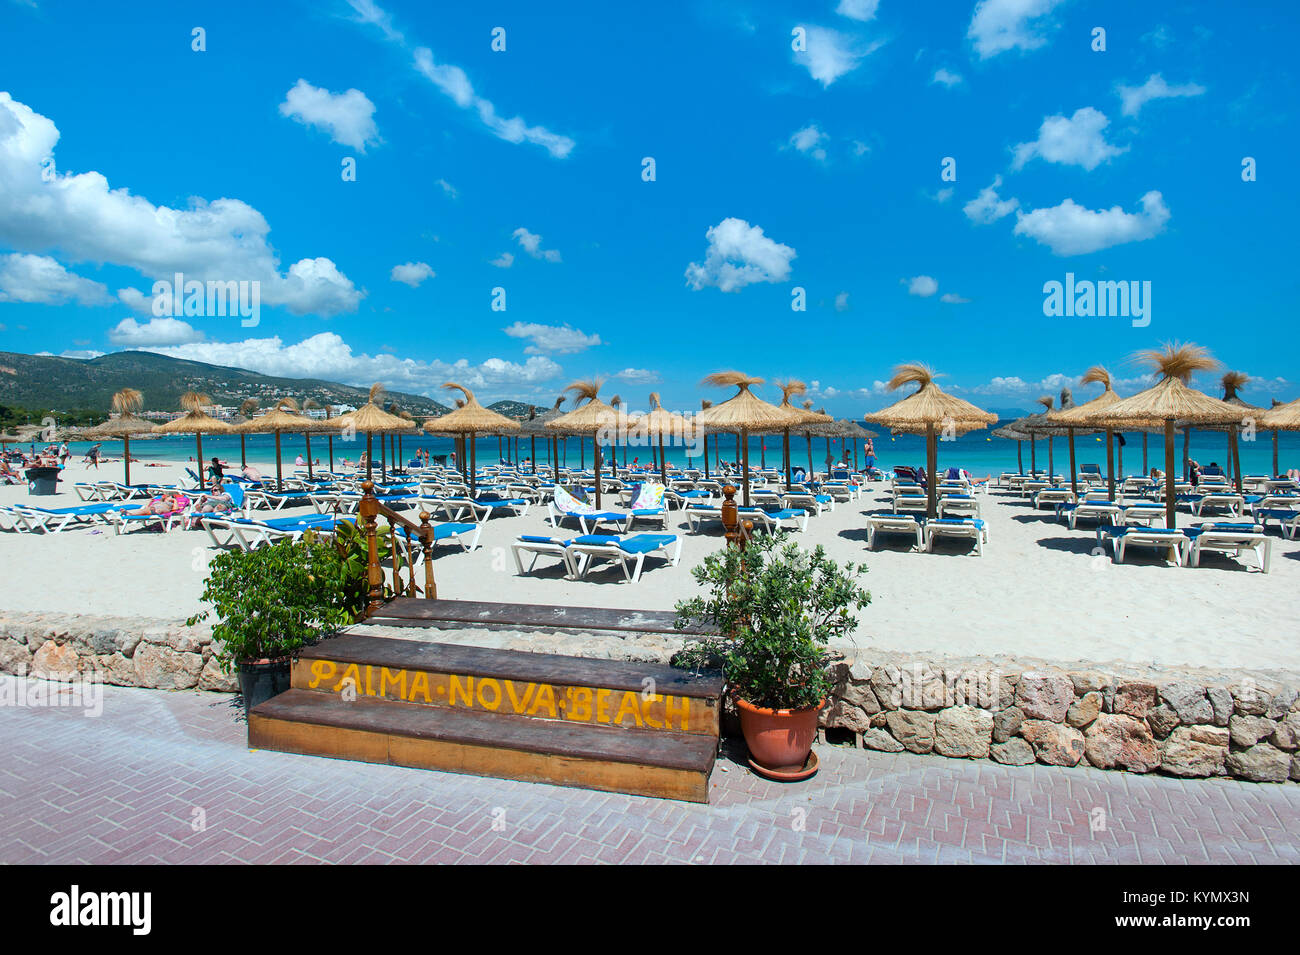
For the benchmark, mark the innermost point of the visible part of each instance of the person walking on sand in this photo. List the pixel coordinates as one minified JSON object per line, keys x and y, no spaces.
{"x":93,"y":454}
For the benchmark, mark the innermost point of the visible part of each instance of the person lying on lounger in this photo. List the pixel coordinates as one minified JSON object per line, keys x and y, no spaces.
{"x":218,"y":500}
{"x":167,"y":504}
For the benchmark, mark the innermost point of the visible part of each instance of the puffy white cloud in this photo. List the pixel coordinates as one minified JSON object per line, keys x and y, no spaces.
{"x":80,"y":215}
{"x":739,"y":254}
{"x":128,"y":333}
{"x":328,"y":356}
{"x":988,"y":206}
{"x":1071,"y":229}
{"x":946,"y":78}
{"x":349,"y":117}
{"x":810,"y":141}
{"x":532,"y":244}
{"x":829,"y":54}
{"x":922,"y":286}
{"x":1013,"y":386}
{"x":1133,"y":98}
{"x":861,"y":10}
{"x":551,"y":339}
{"x":1079,"y":140}
{"x":637,"y":376}
{"x":504,"y":260}
{"x":39,"y":279}
{"x":135,"y":300}
{"x":412,"y":273}
{"x":1000,"y":25}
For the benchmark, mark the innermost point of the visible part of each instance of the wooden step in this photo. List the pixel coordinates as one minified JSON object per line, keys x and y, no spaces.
{"x":609,"y":758}
{"x":543,"y":686}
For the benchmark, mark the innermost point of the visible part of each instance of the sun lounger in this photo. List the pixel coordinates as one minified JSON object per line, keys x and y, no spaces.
{"x":959,"y":505}
{"x":166,"y":520}
{"x":1052,"y":496}
{"x":1143,"y":512}
{"x":1233,"y":503}
{"x":249,"y":534}
{"x":1102,"y":511}
{"x":624,"y":551}
{"x":1288,"y":519}
{"x":1230,"y":538}
{"x":971,"y":529}
{"x":1122,"y":538}
{"x":540,"y":546}
{"x":52,"y":520}
{"x":906,"y":524}
{"x":912,"y":503}
{"x":464,"y":534}
{"x":807,"y":500}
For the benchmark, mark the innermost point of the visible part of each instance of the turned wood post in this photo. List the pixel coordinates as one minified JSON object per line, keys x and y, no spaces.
{"x":426,"y":548}
{"x":368,"y":509}
{"x":735,"y":533}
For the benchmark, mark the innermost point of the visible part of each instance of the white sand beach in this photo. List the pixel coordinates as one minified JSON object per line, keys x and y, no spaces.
{"x":1038,"y":591}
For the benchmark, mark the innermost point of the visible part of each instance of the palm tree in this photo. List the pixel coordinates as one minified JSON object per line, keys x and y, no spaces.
{"x":246,"y":409}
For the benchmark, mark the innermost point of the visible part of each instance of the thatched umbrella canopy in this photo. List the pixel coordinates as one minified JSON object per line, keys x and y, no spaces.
{"x":126,"y":403}
{"x":1280,"y":417}
{"x":847,"y":430}
{"x":813,"y":425}
{"x":284,"y":417}
{"x":744,"y":413}
{"x":1041,"y":425}
{"x":246,"y":409}
{"x":1012,"y":433}
{"x":591,"y":418}
{"x":195,"y":422}
{"x":372,"y":419}
{"x":1079,"y":416}
{"x":929,"y":410}
{"x":535,"y":425}
{"x":470,"y":419}
{"x":657,"y":423}
{"x":1171,"y":400}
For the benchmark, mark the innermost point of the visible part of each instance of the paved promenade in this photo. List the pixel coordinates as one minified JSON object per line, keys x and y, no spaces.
{"x":166,"y":777}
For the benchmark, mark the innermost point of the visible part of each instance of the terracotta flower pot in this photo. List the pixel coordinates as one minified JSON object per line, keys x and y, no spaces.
{"x":778,"y":738}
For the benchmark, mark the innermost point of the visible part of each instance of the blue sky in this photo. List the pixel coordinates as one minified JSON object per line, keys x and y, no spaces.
{"x":126,"y":156}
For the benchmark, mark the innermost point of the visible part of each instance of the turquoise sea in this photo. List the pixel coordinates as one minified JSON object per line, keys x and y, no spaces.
{"x":978,"y":452}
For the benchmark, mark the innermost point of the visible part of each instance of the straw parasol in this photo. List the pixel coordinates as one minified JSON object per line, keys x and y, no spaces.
{"x":657,"y":423}
{"x":744,"y":413}
{"x":535,"y":424}
{"x":1079,"y":417}
{"x":1171,"y":400}
{"x":195,"y":422}
{"x":126,"y":403}
{"x":591,"y":418}
{"x":1012,"y":433}
{"x":926,"y":411}
{"x":281,"y":418}
{"x":470,"y":419}
{"x":848,"y":430}
{"x":246,"y":409}
{"x":1234,"y":381}
{"x":811,"y":426}
{"x":372,"y":420}
{"x":1280,"y":417}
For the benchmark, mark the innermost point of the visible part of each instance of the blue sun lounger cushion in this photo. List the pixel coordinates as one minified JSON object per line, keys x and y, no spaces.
{"x":637,"y":543}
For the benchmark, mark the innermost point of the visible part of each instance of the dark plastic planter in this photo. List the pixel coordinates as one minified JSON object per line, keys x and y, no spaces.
{"x":261,"y":680}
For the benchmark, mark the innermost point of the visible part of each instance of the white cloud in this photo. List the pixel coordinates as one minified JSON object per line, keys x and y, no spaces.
{"x":1079,"y":140}
{"x":829,"y":54}
{"x":988,"y":206}
{"x":952,"y":298}
{"x":637,"y":376}
{"x":83,"y":217}
{"x":861,"y":10}
{"x":944,"y":194}
{"x":1000,"y":25}
{"x":810,"y":141}
{"x":451,"y":191}
{"x":921,"y":285}
{"x":157,"y":332}
{"x":1133,"y":98}
{"x":1071,"y":229}
{"x":455,"y":84}
{"x":328,"y":356}
{"x":39,"y":279}
{"x":551,"y":339}
{"x":946,"y":78}
{"x":532,"y":244}
{"x":349,"y":117}
{"x":412,"y":273}
{"x":1013,"y":386}
{"x":739,"y":254}
{"x":135,"y":300}
{"x":842,"y":302}
{"x":504,"y":260}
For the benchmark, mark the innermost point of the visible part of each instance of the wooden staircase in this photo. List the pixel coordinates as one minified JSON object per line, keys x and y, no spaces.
{"x":645,"y":729}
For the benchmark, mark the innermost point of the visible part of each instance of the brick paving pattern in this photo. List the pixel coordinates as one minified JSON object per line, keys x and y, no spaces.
{"x":166,"y":777}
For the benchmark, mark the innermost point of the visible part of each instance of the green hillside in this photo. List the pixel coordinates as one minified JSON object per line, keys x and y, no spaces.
{"x":50,"y":383}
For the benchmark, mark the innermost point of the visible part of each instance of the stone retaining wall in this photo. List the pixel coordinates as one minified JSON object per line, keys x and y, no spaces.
{"x":122,"y":651}
{"x":1182,"y":723}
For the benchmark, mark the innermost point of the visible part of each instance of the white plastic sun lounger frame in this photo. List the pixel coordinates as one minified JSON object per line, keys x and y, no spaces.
{"x":543,"y":549}
{"x":967,"y":530}
{"x":894,"y":524}
{"x":1178,"y":541}
{"x":1232,"y":542}
{"x":584,"y":555}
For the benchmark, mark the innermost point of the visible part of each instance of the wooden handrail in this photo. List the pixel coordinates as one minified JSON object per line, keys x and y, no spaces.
{"x":368,"y":510}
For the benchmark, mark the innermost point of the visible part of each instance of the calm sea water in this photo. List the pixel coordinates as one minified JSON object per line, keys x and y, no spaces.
{"x":978,"y":452}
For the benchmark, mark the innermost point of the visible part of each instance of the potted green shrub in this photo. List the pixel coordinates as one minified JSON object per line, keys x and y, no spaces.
{"x":272,"y":602}
{"x":776,"y":607}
